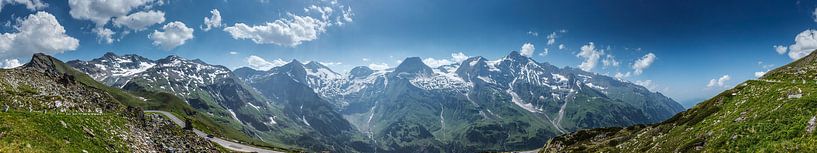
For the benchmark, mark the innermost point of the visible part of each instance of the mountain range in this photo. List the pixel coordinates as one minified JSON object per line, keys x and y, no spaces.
{"x":507,"y":104}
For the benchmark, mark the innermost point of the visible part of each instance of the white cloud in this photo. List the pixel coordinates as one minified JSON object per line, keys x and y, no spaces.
{"x":590,"y":55}
{"x":552,"y":38}
{"x":39,"y":32}
{"x":561,"y":46}
{"x":347,"y":14}
{"x":213,"y":21}
{"x":532,"y":33}
{"x":101,"y":11}
{"x":544,"y":52}
{"x":175,"y":34}
{"x":140,"y":20}
{"x":459,"y":57}
{"x":431,"y":62}
{"x":814,"y":14}
{"x":780,"y":49}
{"x":760,"y":74}
{"x":720,"y":82}
{"x":804,"y":43}
{"x":456,"y":57}
{"x":620,"y":75}
{"x":285,"y":32}
{"x":610,"y":60}
{"x":104,"y":34}
{"x":331,"y":63}
{"x":233,"y":53}
{"x":643,"y":63}
{"x":30,"y":4}
{"x":365,"y":59}
{"x":527,"y":49}
{"x":325,"y":11}
{"x":259,"y":63}
{"x":10,"y":63}
{"x":381,"y":66}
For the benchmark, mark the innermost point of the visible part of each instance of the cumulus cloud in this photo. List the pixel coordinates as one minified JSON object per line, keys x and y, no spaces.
{"x":431,"y":62}
{"x":459,"y":57}
{"x":10,"y":63}
{"x":609,"y":61}
{"x":294,"y":29}
{"x":804,"y":43}
{"x":620,"y":75}
{"x":561,"y":46}
{"x":259,"y":63}
{"x":455,"y":58}
{"x":285,"y":32}
{"x":233,"y":53}
{"x":719,"y":82}
{"x":590,"y":55}
{"x":104,"y":34}
{"x":330,"y":63}
{"x":101,"y":11}
{"x":175,"y":34}
{"x":532,"y":33}
{"x":214,"y":21}
{"x":780,"y":49}
{"x":381,"y":66}
{"x":39,"y":32}
{"x":552,"y":38}
{"x":527,"y":49}
{"x":30,"y":4}
{"x":760,"y":74}
{"x":140,"y":20}
{"x":347,"y":14}
{"x":544,"y":52}
{"x":643,"y":63}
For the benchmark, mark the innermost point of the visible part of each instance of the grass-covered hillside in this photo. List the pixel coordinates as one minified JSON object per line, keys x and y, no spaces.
{"x":775,"y":113}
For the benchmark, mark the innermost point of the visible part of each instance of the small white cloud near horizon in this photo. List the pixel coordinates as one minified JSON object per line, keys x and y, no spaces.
{"x":760,"y":74}
{"x":233,"y":53}
{"x":39,"y":32}
{"x":175,"y":34}
{"x":259,"y":63}
{"x":780,"y":49}
{"x":610,"y":61}
{"x":10,"y":63}
{"x":527,"y":50}
{"x":381,"y":66}
{"x":214,"y":21}
{"x":643,"y":63}
{"x":719,"y":82}
{"x":459,"y":57}
{"x":562,"y":46}
{"x":590,"y":55}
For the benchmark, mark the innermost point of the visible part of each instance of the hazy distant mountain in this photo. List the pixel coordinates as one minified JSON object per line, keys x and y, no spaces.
{"x":774,"y":113}
{"x":512,"y":103}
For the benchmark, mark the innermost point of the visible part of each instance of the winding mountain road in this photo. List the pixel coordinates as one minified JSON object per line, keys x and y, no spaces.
{"x":224,"y":143}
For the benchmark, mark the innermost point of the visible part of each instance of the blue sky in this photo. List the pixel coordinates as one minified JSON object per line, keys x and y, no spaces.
{"x":695,"y":43}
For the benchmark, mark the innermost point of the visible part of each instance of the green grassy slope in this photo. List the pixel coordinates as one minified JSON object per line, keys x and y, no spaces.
{"x":775,"y":113}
